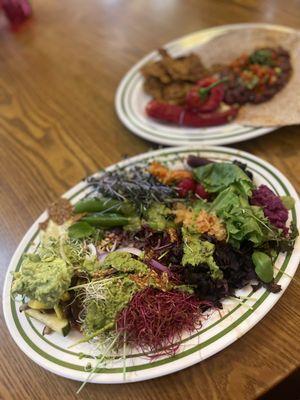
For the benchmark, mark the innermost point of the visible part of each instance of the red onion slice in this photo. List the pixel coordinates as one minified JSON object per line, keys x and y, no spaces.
{"x":102,"y":256}
{"x":157,"y":265}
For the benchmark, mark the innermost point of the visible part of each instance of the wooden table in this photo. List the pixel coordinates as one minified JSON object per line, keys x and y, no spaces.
{"x":58,"y":78}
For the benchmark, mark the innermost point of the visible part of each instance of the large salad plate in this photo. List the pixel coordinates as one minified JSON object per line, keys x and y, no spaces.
{"x":52,"y":352}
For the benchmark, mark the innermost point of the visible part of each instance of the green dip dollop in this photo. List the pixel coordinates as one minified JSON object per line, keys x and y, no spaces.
{"x":101,"y":315}
{"x":159,"y":217}
{"x":197,"y":251}
{"x":44,"y":280}
{"x":124,"y":262}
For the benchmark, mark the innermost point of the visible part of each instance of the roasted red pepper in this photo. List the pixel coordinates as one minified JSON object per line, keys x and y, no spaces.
{"x":182,"y":116}
{"x":206,"y":96}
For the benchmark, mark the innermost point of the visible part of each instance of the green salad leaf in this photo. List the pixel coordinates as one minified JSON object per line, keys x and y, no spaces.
{"x":218,"y":176}
{"x":263,"y":266}
{"x":243,"y":221}
{"x":80,"y":230}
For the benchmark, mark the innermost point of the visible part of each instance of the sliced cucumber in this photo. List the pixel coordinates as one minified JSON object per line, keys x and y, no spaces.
{"x":65,"y":297}
{"x":38,"y":305}
{"x":59,"y":312}
{"x":58,"y":325}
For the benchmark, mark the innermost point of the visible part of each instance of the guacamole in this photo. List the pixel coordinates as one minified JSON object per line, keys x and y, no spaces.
{"x":68,"y":249}
{"x":197,"y":251}
{"x":158,"y":217}
{"x":124,"y":262}
{"x":101,"y":314}
{"x":89,"y":265}
{"x":44,"y":279}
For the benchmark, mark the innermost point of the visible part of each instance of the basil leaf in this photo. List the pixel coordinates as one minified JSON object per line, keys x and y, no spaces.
{"x":80,"y":230}
{"x":263,"y":266}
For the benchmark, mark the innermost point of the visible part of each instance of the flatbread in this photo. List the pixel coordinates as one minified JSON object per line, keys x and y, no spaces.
{"x":284,"y":107}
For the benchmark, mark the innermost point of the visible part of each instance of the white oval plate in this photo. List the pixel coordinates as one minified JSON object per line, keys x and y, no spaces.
{"x":219,"y":330}
{"x":131,"y":100}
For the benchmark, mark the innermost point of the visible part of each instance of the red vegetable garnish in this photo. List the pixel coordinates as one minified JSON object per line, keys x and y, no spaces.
{"x":159,"y":266}
{"x":155,"y":320}
{"x":182,"y":116}
{"x":273,"y":207}
{"x":201,"y":192}
{"x":185,"y":186}
{"x":206,"y":96}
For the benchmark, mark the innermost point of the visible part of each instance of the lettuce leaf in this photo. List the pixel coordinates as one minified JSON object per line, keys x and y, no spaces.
{"x":243,"y":221}
{"x":216,"y":177}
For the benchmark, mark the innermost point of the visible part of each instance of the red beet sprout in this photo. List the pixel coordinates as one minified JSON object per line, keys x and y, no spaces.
{"x":154,"y":321}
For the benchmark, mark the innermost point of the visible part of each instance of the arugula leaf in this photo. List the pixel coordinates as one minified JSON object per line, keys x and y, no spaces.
{"x":218,"y":176}
{"x":281,"y":243}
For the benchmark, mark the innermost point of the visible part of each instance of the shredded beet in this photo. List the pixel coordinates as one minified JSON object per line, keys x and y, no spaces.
{"x":154,"y":320}
{"x":274,"y":210}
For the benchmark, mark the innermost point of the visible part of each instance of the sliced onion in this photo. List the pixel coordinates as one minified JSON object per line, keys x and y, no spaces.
{"x":102,"y":256}
{"x":92,"y":249}
{"x":157,"y":265}
{"x":131,"y":250}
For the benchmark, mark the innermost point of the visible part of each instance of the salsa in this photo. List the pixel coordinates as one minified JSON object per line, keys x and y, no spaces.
{"x":257,"y":77}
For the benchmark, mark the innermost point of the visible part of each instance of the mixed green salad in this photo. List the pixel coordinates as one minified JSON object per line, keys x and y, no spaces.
{"x":140,"y":260}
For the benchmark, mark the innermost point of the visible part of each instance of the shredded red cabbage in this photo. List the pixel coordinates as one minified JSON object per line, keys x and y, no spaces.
{"x":274,"y":210}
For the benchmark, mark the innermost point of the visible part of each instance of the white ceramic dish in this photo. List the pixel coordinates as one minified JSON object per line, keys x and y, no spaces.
{"x":51,"y":351}
{"x":131,"y":100}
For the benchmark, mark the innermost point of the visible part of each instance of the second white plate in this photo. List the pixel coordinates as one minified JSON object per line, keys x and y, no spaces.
{"x":131,"y":99}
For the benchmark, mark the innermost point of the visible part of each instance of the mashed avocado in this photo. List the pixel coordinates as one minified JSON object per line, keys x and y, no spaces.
{"x":158,"y":217}
{"x":102,"y":314}
{"x":69,"y":250}
{"x":90,"y":265}
{"x":134,"y":224}
{"x":197,"y":251}
{"x":44,"y":279}
{"x":124,"y":262}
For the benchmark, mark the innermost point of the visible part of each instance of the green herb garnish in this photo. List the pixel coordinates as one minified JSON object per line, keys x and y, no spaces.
{"x":262,"y":57}
{"x":204,"y":91}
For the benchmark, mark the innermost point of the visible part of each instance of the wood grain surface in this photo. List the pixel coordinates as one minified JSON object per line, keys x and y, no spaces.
{"x":58,"y":77}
